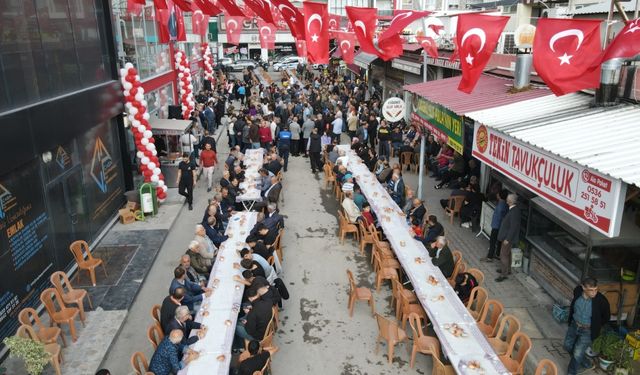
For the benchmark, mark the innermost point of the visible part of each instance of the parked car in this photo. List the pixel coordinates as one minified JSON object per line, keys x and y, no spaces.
{"x":223,"y":63}
{"x":288,"y":63}
{"x":239,"y":65}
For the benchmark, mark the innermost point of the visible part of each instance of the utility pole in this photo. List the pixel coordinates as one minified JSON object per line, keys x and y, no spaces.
{"x":423,"y":140}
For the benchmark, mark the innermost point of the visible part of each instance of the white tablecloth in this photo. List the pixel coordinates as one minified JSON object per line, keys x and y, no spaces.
{"x":442,"y":311}
{"x":223,"y":304}
{"x":253,"y":159}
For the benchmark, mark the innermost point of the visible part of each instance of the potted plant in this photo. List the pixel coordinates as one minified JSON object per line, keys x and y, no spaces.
{"x":30,"y":351}
{"x":622,"y":363}
{"x":608,"y":346}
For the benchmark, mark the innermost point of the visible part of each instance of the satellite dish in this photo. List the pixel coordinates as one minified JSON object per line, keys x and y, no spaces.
{"x":524,"y":36}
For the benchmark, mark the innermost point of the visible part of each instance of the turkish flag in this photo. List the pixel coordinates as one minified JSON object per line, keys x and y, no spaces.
{"x":160,"y":4}
{"x":207,"y":7}
{"x":267,"y":33}
{"x":566,"y":54}
{"x":429,"y":45}
{"x":233,"y":26}
{"x":363,"y":21}
{"x":135,"y":6}
{"x":181,"y":31}
{"x":261,"y":8}
{"x":183,"y":5}
{"x":292,"y":17}
{"x":170,"y":23}
{"x":346,"y":45}
{"x":247,"y":11}
{"x":317,"y":32}
{"x":231,"y":8}
{"x":626,"y":44}
{"x":199,"y":20}
{"x":334,"y":24}
{"x":401,"y":19}
{"x":476,"y":37}
{"x":301,"y":47}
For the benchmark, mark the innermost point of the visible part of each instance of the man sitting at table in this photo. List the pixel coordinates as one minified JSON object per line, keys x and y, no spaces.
{"x":213,"y":233}
{"x":441,"y":256}
{"x":166,"y":359}
{"x":465,"y":282}
{"x":183,"y":321}
{"x":434,"y":230}
{"x":273,"y":220}
{"x":237,"y":173}
{"x":168,"y":308}
{"x":269,"y":272}
{"x":273,"y":165}
{"x":367,"y":216}
{"x":358,"y":197}
{"x":254,"y":324}
{"x":192,"y":274}
{"x":463,"y":191}
{"x":264,"y":180}
{"x":257,"y":360}
{"x":417,"y":211}
{"x":193,"y":292}
{"x":350,"y":208}
{"x":263,"y":234}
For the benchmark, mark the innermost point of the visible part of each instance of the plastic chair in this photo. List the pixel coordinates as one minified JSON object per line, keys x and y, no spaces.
{"x":78,"y":248}
{"x":516,"y":355}
{"x":277,"y":244}
{"x":155,"y":315}
{"x":384,"y":260}
{"x":546,"y":367}
{"x":70,"y":295}
{"x":391,"y":333}
{"x":492,"y":310}
{"x":477,"y":299}
{"x":421,"y":342}
{"x":396,"y":291}
{"x":58,"y":312}
{"x":479,"y":275}
{"x":155,"y":335}
{"x":54,"y":350}
{"x":47,"y":335}
{"x":440,"y":368}
{"x":329,"y":177}
{"x":358,"y":294}
{"x":347,"y":227}
{"x":382,"y":273}
{"x":508,"y":327}
{"x":275,"y":311}
{"x":366,"y":237}
{"x":405,"y":160}
{"x":139,"y":363}
{"x":457,"y":259}
{"x":454,"y":206}
{"x":409,"y":308}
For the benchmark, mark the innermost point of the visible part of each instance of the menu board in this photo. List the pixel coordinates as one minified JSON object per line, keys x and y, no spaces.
{"x":25,"y":263}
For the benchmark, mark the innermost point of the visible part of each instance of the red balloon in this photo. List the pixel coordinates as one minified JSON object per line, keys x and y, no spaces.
{"x":136,"y":84}
{"x":132,"y":71}
{"x":138,"y":135}
{"x":129,"y":98}
{"x":133,"y":91}
{"x":147,"y":179}
{"x":144,"y":122}
{"x":130,"y":79}
{"x":140,"y":147}
{"x":148,"y":173}
{"x":161,"y":176}
{"x":152,"y":140}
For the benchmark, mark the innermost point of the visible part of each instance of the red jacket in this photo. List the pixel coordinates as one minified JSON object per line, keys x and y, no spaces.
{"x":265,"y":134}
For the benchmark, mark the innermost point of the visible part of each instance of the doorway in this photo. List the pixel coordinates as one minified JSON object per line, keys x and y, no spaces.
{"x":68,"y":212}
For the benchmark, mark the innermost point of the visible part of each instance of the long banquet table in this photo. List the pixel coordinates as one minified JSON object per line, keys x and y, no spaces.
{"x":253,"y":159}
{"x":224,"y":303}
{"x":439,"y":300}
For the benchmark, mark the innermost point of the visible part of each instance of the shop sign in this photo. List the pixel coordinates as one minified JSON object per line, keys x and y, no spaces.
{"x":393,"y":109}
{"x":440,"y":121}
{"x":587,"y":195}
{"x":444,"y":62}
{"x":407,"y":66}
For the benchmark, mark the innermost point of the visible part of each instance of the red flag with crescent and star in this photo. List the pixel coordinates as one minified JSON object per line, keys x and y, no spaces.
{"x":261,"y":8}
{"x":316,"y":32}
{"x":347,"y":45}
{"x":207,"y":7}
{"x":626,"y":44}
{"x":334,"y":24}
{"x":363,"y":21}
{"x":301,"y":47}
{"x":233,"y":26}
{"x":199,"y":20}
{"x":292,"y":17}
{"x":566,"y":54}
{"x":476,"y":36}
{"x":230,"y":8}
{"x":401,"y":19}
{"x":267,"y":33}
{"x":183,"y":5}
{"x":429,"y":45}
{"x":160,"y":4}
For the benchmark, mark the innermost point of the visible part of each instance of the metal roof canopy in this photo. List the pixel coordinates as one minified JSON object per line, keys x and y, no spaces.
{"x":490,"y":92}
{"x":600,"y":8}
{"x":363,"y":59}
{"x":168,"y":126}
{"x":604,"y":139}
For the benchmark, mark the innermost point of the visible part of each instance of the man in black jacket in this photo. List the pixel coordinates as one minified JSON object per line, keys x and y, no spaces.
{"x":254,"y":324}
{"x":508,"y":235}
{"x":168,"y":308}
{"x":314,"y":148}
{"x":588,"y":313}
{"x":183,"y":322}
{"x":441,"y":256}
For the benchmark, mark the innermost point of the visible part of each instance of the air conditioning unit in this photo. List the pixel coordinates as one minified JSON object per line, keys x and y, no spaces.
{"x":557,"y":12}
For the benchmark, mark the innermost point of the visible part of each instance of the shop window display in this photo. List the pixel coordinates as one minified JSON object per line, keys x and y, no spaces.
{"x":159,"y":101}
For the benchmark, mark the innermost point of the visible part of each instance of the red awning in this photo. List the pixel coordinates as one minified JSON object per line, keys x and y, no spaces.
{"x":490,"y":92}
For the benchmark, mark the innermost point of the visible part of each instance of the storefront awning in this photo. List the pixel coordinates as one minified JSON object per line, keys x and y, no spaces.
{"x":603,"y":139}
{"x":168,"y":126}
{"x":363,"y":59}
{"x":407,"y":66}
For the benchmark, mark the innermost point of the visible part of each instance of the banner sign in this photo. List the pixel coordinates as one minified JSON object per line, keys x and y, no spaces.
{"x":440,"y":121}
{"x":393,"y":109}
{"x":587,"y":195}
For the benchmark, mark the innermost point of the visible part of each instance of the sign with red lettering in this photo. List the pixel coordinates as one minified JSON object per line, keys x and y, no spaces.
{"x":589,"y":196}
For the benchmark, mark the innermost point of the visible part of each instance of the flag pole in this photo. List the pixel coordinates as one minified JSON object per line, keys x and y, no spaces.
{"x":422,"y":137}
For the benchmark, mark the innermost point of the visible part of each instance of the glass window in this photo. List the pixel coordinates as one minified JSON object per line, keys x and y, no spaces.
{"x":158,"y":101}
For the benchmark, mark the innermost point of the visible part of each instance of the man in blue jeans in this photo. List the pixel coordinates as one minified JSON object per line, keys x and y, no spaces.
{"x":588,"y":313}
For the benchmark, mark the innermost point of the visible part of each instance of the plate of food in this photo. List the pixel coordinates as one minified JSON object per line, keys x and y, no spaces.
{"x":437,"y":298}
{"x":419,"y":260}
{"x":472,"y":365}
{"x":432,"y":280}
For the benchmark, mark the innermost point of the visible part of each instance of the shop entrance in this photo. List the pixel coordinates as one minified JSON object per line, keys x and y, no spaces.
{"x":68,"y":212}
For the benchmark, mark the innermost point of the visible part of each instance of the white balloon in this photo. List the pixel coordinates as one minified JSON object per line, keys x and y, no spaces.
{"x":151,"y":165}
{"x":140,"y":154}
{"x":154,"y":152}
{"x":136,"y":123}
{"x":123,"y":72}
{"x":144,"y":141}
{"x":180,"y":75}
{"x":128,"y":105}
{"x":128,"y":65}
{"x":144,"y":160}
{"x":187,"y":70}
{"x":165,"y":188}
{"x":143,"y":102}
{"x":137,"y":77}
{"x":127,"y":85}
{"x":147,"y":134}
{"x":142,"y":128}
{"x":181,"y":83}
{"x":190,"y":87}
{"x":133,"y":110}
{"x":125,"y":92}
{"x":146,"y":115}
{"x":150,"y":146}
{"x":155,"y":178}
{"x":161,"y":183}
{"x":139,"y":96}
{"x":156,"y":171}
